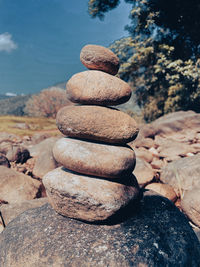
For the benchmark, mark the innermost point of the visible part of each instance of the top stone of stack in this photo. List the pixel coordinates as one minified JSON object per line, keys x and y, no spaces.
{"x":98,"y":86}
{"x":95,"y":57}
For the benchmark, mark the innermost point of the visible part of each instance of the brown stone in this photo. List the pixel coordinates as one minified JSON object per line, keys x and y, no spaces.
{"x":182,"y":174}
{"x":16,"y":187}
{"x":143,"y":172}
{"x":97,"y":123}
{"x":164,"y":190}
{"x":88,"y":198}
{"x":94,"y":158}
{"x":144,"y":154}
{"x":97,"y":88}
{"x":190,"y":205}
{"x":97,"y":57}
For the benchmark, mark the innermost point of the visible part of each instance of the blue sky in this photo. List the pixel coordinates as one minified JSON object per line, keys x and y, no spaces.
{"x":40,"y":40}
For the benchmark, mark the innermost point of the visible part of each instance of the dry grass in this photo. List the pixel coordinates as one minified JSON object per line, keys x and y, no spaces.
{"x":27,"y":125}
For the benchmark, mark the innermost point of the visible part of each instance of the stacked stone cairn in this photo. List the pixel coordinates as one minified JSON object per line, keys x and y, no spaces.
{"x":95,"y":181}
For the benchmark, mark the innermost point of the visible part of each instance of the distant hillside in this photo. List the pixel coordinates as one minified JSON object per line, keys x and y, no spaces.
{"x":13,"y":105}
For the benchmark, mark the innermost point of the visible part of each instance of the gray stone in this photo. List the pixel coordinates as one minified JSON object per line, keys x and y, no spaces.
{"x":157,"y":234}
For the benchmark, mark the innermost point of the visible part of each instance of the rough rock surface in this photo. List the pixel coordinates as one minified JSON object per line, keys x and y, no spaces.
{"x":11,"y":211}
{"x":156,"y":235}
{"x":87,"y":197}
{"x":16,"y":187}
{"x":94,"y":158}
{"x":97,"y":123}
{"x":190,"y":205}
{"x":143,"y":172}
{"x":164,"y":190}
{"x":97,"y":88}
{"x":97,"y":57}
{"x":182,"y":174}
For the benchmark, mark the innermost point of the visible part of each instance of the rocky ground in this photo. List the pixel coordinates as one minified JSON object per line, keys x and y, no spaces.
{"x":167,"y":162}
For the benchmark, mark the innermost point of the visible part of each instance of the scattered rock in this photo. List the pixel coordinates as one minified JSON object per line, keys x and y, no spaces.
{"x":16,"y":187}
{"x":144,"y":154}
{"x":4,"y":161}
{"x":144,"y":142}
{"x":97,"y":57}
{"x":164,"y":190}
{"x":97,"y":123}
{"x":11,"y":211}
{"x":168,"y":148}
{"x":39,"y":137}
{"x":44,"y":145}
{"x":190,"y":205}
{"x":8,"y":137}
{"x":182,"y":174}
{"x":143,"y":172}
{"x":94,"y":158}
{"x":18,"y":154}
{"x":172,"y":123}
{"x":157,"y":163}
{"x":44,"y":163}
{"x":5,"y":147}
{"x":97,"y":88}
{"x":88,"y":198}
{"x":156,"y":235}
{"x":21,"y":125}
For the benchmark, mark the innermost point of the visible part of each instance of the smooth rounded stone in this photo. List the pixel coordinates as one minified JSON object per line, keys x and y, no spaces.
{"x":94,"y":158}
{"x":86,"y":197}
{"x":190,"y":205}
{"x":97,"y":57}
{"x":97,"y":88}
{"x":163,"y":189}
{"x":97,"y":123}
{"x":157,"y":234}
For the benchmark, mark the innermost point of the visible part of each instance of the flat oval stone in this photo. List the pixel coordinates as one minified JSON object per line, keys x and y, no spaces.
{"x":97,"y":159}
{"x":97,"y":123}
{"x":88,"y":198}
{"x":96,"y":57}
{"x":97,"y":88}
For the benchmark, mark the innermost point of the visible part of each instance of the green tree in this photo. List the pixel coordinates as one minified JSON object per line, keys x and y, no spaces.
{"x":160,"y":58}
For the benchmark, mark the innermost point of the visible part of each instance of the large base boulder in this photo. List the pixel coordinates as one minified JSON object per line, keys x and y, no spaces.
{"x":156,"y":235}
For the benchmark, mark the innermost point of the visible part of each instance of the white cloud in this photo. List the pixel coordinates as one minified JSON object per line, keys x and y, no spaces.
{"x":6,"y":42}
